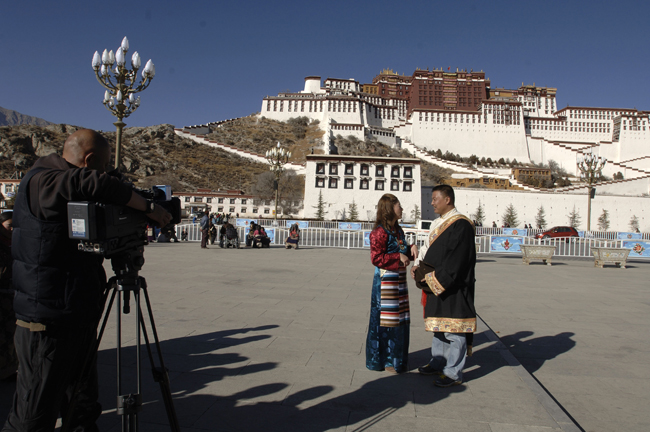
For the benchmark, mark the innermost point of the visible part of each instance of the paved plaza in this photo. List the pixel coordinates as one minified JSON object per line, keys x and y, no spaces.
{"x":274,"y":340}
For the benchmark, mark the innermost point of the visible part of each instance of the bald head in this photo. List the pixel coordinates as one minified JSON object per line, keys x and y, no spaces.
{"x":86,"y":148}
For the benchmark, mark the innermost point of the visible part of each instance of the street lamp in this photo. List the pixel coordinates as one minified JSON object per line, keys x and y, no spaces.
{"x":591,"y":167}
{"x":119,"y":84}
{"x":277,"y":157}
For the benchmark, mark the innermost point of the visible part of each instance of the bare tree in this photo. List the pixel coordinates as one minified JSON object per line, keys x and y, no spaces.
{"x":290,"y":190}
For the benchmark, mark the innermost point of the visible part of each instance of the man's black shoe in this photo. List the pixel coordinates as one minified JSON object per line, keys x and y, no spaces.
{"x":429,"y":370}
{"x":445,"y":381}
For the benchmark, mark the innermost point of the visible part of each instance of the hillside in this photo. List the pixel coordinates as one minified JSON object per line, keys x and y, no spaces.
{"x":258,"y":134}
{"x":151,"y":155}
{"x":156,"y":155}
{"x":13,"y":118}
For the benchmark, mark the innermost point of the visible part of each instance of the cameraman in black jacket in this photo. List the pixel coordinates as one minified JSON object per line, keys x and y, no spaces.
{"x":58,"y":288}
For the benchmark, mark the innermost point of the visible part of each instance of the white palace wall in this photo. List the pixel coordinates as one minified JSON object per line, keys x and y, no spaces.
{"x":468,"y":134}
{"x":556,"y":206}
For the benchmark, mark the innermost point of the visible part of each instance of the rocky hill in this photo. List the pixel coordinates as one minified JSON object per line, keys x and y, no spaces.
{"x":156,"y":155}
{"x":302,"y":137}
{"x":259,"y":134}
{"x":150,"y":155}
{"x":12,"y":118}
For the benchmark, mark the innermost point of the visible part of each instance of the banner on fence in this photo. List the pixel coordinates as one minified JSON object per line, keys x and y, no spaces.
{"x":629,"y":236}
{"x":506,"y":244}
{"x":515,"y":232}
{"x":366,"y":239}
{"x":244,"y":222}
{"x":350,"y":226}
{"x":301,"y":224}
{"x":637,"y":248}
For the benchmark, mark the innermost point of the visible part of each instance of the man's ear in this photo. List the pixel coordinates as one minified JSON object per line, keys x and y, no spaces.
{"x":89,"y":159}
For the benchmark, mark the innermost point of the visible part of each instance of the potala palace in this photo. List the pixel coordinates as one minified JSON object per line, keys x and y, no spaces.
{"x":459,"y":112}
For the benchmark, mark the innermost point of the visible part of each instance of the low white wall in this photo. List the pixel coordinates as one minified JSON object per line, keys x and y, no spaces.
{"x":556,"y":206}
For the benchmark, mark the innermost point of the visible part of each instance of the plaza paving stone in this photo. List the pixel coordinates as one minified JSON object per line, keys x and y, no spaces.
{"x":274,"y":340}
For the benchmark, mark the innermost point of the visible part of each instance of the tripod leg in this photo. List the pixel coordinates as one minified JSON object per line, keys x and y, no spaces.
{"x":160,"y":374}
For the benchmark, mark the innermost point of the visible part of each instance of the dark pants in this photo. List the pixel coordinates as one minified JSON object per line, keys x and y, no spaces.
{"x":8,"y":358}
{"x":204,"y":238}
{"x":50,"y":363}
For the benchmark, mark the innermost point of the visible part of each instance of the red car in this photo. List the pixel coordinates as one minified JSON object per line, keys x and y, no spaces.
{"x":558,"y":231}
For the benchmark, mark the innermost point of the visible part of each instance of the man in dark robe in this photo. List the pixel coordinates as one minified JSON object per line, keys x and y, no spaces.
{"x":445,"y":273}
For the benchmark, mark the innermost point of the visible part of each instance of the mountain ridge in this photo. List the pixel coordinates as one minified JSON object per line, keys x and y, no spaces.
{"x":14,"y":118}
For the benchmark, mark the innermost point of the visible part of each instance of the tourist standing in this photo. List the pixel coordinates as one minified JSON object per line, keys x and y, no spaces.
{"x":205,"y":225}
{"x":387,"y":343}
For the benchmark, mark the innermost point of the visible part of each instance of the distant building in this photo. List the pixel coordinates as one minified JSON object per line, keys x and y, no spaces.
{"x":229,"y":201}
{"x":459,"y":112}
{"x":362,"y":180}
{"x":8,"y":190}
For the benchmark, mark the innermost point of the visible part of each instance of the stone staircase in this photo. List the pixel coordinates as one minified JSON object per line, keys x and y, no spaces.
{"x":461,"y":167}
{"x":200,"y":139}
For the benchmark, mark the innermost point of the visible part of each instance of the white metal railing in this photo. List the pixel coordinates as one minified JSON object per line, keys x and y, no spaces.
{"x":365,"y":226}
{"x":335,"y":238}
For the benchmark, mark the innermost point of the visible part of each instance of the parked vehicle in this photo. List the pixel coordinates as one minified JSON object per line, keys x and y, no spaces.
{"x":558,"y":231}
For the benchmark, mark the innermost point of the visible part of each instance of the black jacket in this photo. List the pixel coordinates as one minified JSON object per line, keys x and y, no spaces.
{"x":55,"y":283}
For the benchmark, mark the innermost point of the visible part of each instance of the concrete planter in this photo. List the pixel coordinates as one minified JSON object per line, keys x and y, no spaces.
{"x":541,"y":252}
{"x":617,"y":256}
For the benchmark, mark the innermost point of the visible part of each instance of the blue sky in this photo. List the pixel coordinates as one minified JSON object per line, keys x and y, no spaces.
{"x":218,"y":59}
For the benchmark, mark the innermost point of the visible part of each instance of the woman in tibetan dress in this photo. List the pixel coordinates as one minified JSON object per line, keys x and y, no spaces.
{"x":387,"y":344}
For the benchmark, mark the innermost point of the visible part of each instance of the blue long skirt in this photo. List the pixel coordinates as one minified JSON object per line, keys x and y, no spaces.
{"x":387,"y":345}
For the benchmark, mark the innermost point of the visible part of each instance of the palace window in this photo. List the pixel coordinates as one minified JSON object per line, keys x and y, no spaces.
{"x":243,"y":210}
{"x":334,"y":169}
{"x":408,"y":172}
{"x":220,"y":209}
{"x":333,"y":183}
{"x":394,"y":171}
{"x":408,"y":187}
{"x":208,"y":200}
{"x":320,"y":168}
{"x":394,"y":185}
{"x":320,"y":182}
{"x":243,"y":202}
{"x":266,"y":211}
{"x":363,"y":184}
{"x":255,"y":210}
{"x":232,"y":200}
{"x":231,"y":210}
{"x":379,"y":171}
{"x":349,"y":169}
{"x":198,"y":199}
{"x":187,"y":199}
{"x":379,"y":185}
{"x":348,"y":183}
{"x":220,"y":200}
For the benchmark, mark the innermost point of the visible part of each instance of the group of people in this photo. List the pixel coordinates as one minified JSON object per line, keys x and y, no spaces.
{"x":257,"y":236}
{"x":443,"y":269}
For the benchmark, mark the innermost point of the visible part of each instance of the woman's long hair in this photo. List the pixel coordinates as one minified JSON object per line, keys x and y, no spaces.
{"x":386,"y":216}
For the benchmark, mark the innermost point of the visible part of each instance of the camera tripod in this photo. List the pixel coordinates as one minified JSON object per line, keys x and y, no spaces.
{"x":120,"y":286}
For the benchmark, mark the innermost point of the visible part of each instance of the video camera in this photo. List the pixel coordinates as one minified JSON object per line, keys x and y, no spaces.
{"x":111,"y":229}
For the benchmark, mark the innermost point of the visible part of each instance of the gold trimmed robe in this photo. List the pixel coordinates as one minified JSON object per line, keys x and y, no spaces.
{"x":449,"y":307}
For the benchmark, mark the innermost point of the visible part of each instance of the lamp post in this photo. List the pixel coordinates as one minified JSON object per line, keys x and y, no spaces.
{"x":591,"y":167}
{"x":277,"y":157}
{"x":119,"y":84}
